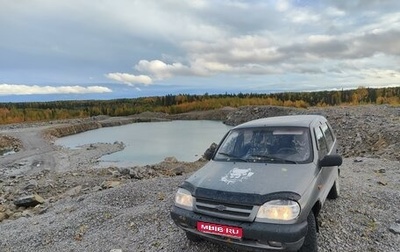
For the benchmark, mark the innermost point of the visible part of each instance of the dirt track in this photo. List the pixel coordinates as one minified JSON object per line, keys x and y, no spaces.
{"x":37,"y":153}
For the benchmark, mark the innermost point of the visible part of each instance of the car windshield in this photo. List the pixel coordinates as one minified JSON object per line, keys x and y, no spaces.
{"x":267,"y":144}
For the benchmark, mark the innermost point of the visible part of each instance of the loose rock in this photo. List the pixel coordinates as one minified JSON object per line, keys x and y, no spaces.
{"x":29,"y":201}
{"x":395,"y":228}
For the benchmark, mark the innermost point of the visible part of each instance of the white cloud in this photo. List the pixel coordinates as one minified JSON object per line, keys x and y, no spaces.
{"x":14,"y":89}
{"x":161,"y":70}
{"x":202,"y":67}
{"x":282,"y":5}
{"x":130,"y":79}
{"x":249,"y":54}
{"x":313,"y":39}
{"x":381,"y":76}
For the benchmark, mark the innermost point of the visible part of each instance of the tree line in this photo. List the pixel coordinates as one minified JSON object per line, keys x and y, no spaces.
{"x":174,"y":104}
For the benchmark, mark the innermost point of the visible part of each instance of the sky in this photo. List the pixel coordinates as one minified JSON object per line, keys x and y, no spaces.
{"x":108,"y":49}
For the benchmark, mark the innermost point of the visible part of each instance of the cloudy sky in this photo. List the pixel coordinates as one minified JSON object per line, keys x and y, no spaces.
{"x":73,"y":49}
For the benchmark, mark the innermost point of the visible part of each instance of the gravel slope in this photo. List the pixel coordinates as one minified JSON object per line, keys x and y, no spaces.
{"x":80,"y":214}
{"x":135,"y":217}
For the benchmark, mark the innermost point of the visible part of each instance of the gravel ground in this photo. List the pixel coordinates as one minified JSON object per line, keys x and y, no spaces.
{"x":135,"y":217}
{"x":81,"y":214}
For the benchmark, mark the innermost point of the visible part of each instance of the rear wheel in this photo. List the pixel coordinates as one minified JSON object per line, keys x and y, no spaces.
{"x":192,"y":237}
{"x":310,"y":241}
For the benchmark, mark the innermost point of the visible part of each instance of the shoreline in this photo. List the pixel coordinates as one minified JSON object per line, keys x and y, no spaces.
{"x":37,"y":150}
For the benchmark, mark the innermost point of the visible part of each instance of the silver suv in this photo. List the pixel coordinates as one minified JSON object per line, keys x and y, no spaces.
{"x":264,"y":186}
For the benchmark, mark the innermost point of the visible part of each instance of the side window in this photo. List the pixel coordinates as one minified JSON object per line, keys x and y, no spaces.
{"x":328,"y":135}
{"x":322,"y":147}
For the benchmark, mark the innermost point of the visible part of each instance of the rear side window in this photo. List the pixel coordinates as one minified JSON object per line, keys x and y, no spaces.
{"x":328,"y":135}
{"x":322,"y":146}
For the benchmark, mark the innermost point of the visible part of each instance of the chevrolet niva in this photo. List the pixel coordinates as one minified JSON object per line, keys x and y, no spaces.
{"x":263,"y":186}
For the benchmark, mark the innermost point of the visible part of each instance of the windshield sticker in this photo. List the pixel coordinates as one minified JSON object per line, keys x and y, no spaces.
{"x":237,"y":175}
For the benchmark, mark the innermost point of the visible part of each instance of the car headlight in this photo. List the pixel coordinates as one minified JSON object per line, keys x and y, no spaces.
{"x":278,"y":210}
{"x":184,"y":199}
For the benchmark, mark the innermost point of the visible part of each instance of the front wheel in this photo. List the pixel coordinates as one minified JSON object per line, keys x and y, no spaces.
{"x":310,"y":241}
{"x":334,"y":193}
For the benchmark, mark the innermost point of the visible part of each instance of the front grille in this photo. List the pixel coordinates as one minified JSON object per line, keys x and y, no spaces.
{"x":225,"y":210}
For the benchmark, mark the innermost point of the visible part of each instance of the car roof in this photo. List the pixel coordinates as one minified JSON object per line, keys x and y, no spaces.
{"x":283,"y":121}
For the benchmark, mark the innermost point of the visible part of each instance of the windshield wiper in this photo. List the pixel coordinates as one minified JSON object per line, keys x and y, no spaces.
{"x":273,"y":158}
{"x":230,"y":156}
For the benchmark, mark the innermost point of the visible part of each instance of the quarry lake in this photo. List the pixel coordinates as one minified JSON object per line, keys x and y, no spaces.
{"x":150,"y":142}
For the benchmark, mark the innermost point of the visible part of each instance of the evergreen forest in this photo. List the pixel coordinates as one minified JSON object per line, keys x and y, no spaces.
{"x":174,"y":104}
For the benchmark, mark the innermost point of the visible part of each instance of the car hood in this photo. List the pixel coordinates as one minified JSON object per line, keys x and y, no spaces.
{"x":251,"y":180}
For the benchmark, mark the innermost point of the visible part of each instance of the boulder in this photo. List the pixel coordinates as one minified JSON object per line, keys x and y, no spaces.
{"x":29,"y":201}
{"x":110,"y":184}
{"x":3,"y":216}
{"x":139,"y":172}
{"x":395,"y":227}
{"x":179,"y":170}
{"x":32,"y":184}
{"x":171,"y":160}
{"x":73,"y":191}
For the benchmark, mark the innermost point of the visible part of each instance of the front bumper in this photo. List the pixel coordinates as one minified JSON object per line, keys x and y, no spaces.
{"x":256,"y":235}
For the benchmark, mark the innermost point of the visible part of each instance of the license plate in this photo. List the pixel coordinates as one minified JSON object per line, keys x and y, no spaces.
{"x":228,"y":231}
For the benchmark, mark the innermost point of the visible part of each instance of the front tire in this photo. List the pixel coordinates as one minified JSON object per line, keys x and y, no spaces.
{"x":334,"y":193}
{"x":310,"y":241}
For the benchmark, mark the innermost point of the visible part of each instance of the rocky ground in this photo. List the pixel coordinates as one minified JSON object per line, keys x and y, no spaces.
{"x":80,"y":207}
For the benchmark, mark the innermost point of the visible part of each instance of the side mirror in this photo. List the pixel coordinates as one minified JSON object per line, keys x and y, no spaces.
{"x":209,"y":153}
{"x":331,"y":160}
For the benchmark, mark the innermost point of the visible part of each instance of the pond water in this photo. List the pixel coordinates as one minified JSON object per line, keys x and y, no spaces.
{"x":151,"y":142}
